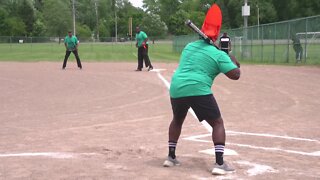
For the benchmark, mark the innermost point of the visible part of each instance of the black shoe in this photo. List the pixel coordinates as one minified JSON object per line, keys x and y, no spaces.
{"x":63,"y":68}
{"x":150,"y":68}
{"x":138,"y":70}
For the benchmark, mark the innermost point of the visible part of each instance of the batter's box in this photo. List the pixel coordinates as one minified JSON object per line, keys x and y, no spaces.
{"x":202,"y":138}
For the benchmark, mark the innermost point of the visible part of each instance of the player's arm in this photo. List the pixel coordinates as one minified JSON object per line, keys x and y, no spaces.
{"x":234,"y":74}
{"x":145,"y":37}
{"x":65,"y":42}
{"x":77,"y":43}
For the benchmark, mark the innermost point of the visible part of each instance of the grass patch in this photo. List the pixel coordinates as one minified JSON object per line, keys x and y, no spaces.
{"x":115,"y":52}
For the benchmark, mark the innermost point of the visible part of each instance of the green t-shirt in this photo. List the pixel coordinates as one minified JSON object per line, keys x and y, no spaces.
{"x":140,"y":37}
{"x":199,"y":65}
{"x":71,"y":42}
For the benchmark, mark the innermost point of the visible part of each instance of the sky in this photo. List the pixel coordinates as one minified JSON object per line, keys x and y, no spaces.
{"x":136,"y":3}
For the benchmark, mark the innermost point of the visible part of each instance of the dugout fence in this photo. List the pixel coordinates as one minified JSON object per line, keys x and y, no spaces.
{"x":272,"y":43}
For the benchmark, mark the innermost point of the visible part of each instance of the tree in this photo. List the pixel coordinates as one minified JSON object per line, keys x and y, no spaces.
{"x":83,"y":31}
{"x":167,"y":9}
{"x":14,"y":26}
{"x":176,"y":23}
{"x":153,"y":26}
{"x":58,"y":18}
{"x":151,"y":6}
{"x":26,"y":13}
{"x":3,"y":17}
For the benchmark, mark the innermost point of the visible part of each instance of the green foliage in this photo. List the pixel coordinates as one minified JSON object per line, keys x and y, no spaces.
{"x":3,"y":17}
{"x":83,"y":31}
{"x":54,"y":17}
{"x":153,"y":26}
{"x":14,"y":26}
{"x":176,"y":23}
{"x":27,"y":14}
{"x":57,"y":15}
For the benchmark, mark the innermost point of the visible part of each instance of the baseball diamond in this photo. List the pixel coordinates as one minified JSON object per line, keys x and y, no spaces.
{"x":110,"y":122}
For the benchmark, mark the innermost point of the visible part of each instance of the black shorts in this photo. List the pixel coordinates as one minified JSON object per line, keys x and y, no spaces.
{"x":205,"y":107}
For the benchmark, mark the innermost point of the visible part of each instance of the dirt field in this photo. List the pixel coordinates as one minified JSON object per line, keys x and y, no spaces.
{"x":109,"y":122}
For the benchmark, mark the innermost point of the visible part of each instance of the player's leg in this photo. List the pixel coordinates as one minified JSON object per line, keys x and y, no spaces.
{"x":146,"y":58}
{"x":66,"y":59}
{"x":219,"y":139}
{"x":180,"y":108}
{"x":206,"y":108}
{"x":75,"y":52}
{"x":140,"y":59}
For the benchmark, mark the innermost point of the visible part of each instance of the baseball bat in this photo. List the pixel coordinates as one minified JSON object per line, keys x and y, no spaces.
{"x":198,"y":31}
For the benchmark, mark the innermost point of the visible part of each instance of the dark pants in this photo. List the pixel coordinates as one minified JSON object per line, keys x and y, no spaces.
{"x":75,"y":52}
{"x":143,"y":55}
{"x":298,"y":50}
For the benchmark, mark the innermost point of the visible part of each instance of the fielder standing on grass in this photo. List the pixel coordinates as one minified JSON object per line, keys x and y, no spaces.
{"x":200,"y":63}
{"x":71,"y":43}
{"x":142,"y":45}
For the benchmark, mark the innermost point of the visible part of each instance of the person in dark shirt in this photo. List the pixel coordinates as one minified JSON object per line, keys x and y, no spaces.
{"x":225,"y":43}
{"x":297,"y":47}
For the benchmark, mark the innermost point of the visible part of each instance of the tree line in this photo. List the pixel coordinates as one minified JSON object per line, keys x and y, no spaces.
{"x":108,"y":18}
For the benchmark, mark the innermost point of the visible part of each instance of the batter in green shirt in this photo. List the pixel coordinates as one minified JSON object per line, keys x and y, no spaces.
{"x":199,"y":65}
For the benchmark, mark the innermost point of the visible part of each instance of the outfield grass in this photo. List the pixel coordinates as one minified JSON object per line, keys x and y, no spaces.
{"x":28,"y":52}
{"x":158,"y":52}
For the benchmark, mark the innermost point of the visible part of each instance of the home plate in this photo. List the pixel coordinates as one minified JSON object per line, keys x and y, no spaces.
{"x":227,"y":152}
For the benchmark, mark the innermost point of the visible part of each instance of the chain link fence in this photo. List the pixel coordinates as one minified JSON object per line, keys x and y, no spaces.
{"x":294,"y":41}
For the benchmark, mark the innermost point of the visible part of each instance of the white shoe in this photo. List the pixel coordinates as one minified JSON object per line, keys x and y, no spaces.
{"x":222,"y":169}
{"x":171,"y":162}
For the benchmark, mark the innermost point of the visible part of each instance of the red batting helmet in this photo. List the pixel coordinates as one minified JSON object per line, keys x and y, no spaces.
{"x":212,"y":23}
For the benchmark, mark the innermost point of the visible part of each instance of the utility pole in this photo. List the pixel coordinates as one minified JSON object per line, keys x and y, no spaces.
{"x":97,"y":18}
{"x":245,"y":14}
{"x":130,"y":28}
{"x":74,"y":17}
{"x":115,"y":20}
{"x":258,"y":22}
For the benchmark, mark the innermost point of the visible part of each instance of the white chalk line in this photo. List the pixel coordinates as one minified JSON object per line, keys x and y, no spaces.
{"x":197,"y":139}
{"x":272,"y":136}
{"x":257,"y":169}
{"x":55,"y":155}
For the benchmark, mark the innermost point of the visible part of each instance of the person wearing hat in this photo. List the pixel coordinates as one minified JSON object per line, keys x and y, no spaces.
{"x":71,"y":43}
{"x":200,"y":63}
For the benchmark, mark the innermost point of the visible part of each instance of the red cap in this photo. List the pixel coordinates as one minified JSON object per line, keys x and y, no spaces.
{"x":212,"y":23}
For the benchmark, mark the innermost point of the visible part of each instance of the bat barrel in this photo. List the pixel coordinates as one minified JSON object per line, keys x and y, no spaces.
{"x":197,"y":30}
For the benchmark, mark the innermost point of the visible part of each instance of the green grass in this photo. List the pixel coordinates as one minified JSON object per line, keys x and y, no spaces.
{"x":158,"y":52}
{"x":115,"y":52}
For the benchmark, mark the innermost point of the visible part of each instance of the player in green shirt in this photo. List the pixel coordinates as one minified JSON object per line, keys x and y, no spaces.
{"x":71,"y":43}
{"x":142,"y":45}
{"x":200,"y":63}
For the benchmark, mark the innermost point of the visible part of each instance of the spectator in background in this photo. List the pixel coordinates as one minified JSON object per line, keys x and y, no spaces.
{"x":297,"y":48}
